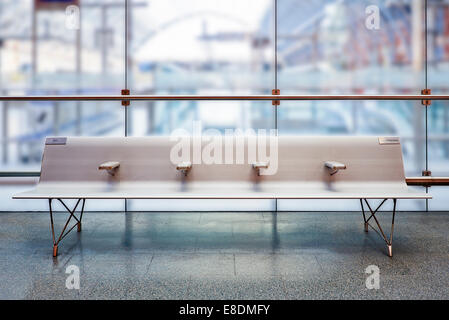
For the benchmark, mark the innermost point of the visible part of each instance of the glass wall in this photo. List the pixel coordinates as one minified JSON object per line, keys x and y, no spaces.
{"x":57,"y":49}
{"x":215,"y":47}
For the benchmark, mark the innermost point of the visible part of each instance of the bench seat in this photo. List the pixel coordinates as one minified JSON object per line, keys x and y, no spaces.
{"x":222,"y":190}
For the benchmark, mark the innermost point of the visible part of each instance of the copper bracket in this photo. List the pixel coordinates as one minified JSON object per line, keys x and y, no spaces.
{"x":426,"y":173}
{"x":125,"y":92}
{"x":276,"y":92}
{"x":426,"y":92}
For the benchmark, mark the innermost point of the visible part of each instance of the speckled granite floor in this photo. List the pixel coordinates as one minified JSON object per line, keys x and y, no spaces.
{"x":288,"y":255}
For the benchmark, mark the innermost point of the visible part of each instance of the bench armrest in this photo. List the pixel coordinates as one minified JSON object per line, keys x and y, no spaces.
{"x":110,"y":166}
{"x":184,"y":167}
{"x":260,"y":165}
{"x":334,"y":166}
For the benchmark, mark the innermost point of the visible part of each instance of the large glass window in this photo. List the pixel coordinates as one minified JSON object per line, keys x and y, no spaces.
{"x":215,"y":47}
{"x":57,"y":50}
{"x":201,"y":47}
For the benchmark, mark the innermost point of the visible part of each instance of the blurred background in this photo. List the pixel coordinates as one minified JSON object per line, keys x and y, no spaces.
{"x":216,"y":47}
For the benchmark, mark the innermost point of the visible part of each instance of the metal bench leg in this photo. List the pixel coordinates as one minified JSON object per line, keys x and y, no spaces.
{"x":388,"y":241}
{"x":81,"y":216}
{"x":364,"y":217}
{"x":64,"y":232}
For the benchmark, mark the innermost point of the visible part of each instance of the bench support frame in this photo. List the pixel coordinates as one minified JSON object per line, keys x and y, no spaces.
{"x":388,"y":241}
{"x":71,"y":215}
{"x":63,"y":234}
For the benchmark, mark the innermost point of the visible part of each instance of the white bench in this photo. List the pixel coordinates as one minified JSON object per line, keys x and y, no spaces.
{"x":83,"y":168}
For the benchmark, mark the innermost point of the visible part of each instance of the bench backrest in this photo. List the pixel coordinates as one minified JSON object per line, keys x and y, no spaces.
{"x":146,"y":159}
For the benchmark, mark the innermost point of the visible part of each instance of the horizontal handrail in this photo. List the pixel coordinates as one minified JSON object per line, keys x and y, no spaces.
{"x":427,"y":181}
{"x":14,"y":174}
{"x":221,"y":98}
